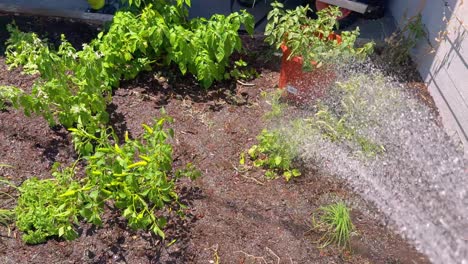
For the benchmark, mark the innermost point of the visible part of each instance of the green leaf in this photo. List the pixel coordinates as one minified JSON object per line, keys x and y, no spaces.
{"x":242,"y":159}
{"x":253,"y":151}
{"x":68,"y":193}
{"x":296,"y":173}
{"x":148,"y":129}
{"x":137,"y":164}
{"x":61,"y":231}
{"x":278,"y":160}
{"x":287,"y":175}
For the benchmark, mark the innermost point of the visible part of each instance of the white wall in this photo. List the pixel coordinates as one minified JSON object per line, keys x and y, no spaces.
{"x":445,"y":70}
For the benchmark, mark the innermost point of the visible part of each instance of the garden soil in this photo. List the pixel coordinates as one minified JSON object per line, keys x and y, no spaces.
{"x":233,"y":215}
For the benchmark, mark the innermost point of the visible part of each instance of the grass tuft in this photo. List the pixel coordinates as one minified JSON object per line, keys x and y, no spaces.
{"x":335,"y":222}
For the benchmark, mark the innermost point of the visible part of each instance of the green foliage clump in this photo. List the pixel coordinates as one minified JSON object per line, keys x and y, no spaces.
{"x":7,"y":215}
{"x":241,"y":72}
{"x":274,"y":100}
{"x":45,"y":207}
{"x":342,"y":124}
{"x":9,"y":94}
{"x":311,"y":39}
{"x":338,"y":130}
{"x":135,"y":177}
{"x":274,"y":153}
{"x":402,"y":41}
{"x":335,"y":222}
{"x":70,"y":87}
{"x":76,"y":85}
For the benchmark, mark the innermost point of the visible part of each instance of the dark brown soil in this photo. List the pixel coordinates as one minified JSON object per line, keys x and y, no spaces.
{"x":233,"y":217}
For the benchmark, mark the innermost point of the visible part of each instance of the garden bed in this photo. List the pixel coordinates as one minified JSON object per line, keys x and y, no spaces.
{"x":232,"y":216}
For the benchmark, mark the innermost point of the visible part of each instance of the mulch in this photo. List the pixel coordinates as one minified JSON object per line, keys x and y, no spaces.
{"x":233,"y":216}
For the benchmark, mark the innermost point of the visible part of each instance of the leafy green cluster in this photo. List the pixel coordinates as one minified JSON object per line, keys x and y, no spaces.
{"x":338,"y":130}
{"x":8,"y":94}
{"x":274,"y":100}
{"x":135,"y":177}
{"x":404,"y":40}
{"x":241,"y":72}
{"x":71,"y":85}
{"x":341,"y":125}
{"x":7,"y":215}
{"x":274,"y":153}
{"x":334,"y":220}
{"x":138,"y":5}
{"x":311,"y":39}
{"x":76,"y":85}
{"x":45,"y":209}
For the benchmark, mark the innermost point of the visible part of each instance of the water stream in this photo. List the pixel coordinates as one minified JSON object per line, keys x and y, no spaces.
{"x":420,"y":181}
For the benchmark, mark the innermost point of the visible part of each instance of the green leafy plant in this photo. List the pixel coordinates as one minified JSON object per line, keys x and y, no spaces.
{"x":402,"y":41}
{"x":136,"y":178}
{"x":45,"y":208}
{"x":85,"y":143}
{"x":70,"y":87}
{"x":240,"y":71}
{"x":311,"y":39}
{"x":7,"y":216}
{"x":338,"y":130}
{"x":274,"y":153}
{"x":274,"y":100}
{"x":76,"y":85}
{"x":335,"y":222}
{"x":337,"y":126}
{"x":9,"y":94}
{"x":204,"y":49}
{"x":143,"y":3}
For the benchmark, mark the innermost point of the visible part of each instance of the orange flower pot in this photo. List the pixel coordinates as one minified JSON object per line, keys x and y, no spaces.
{"x":304,"y":86}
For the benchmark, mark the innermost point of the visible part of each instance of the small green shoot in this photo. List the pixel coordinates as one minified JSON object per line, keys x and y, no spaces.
{"x":274,"y":100}
{"x":173,"y":241}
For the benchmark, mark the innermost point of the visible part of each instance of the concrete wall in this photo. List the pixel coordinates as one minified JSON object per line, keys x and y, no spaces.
{"x":443,"y":58}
